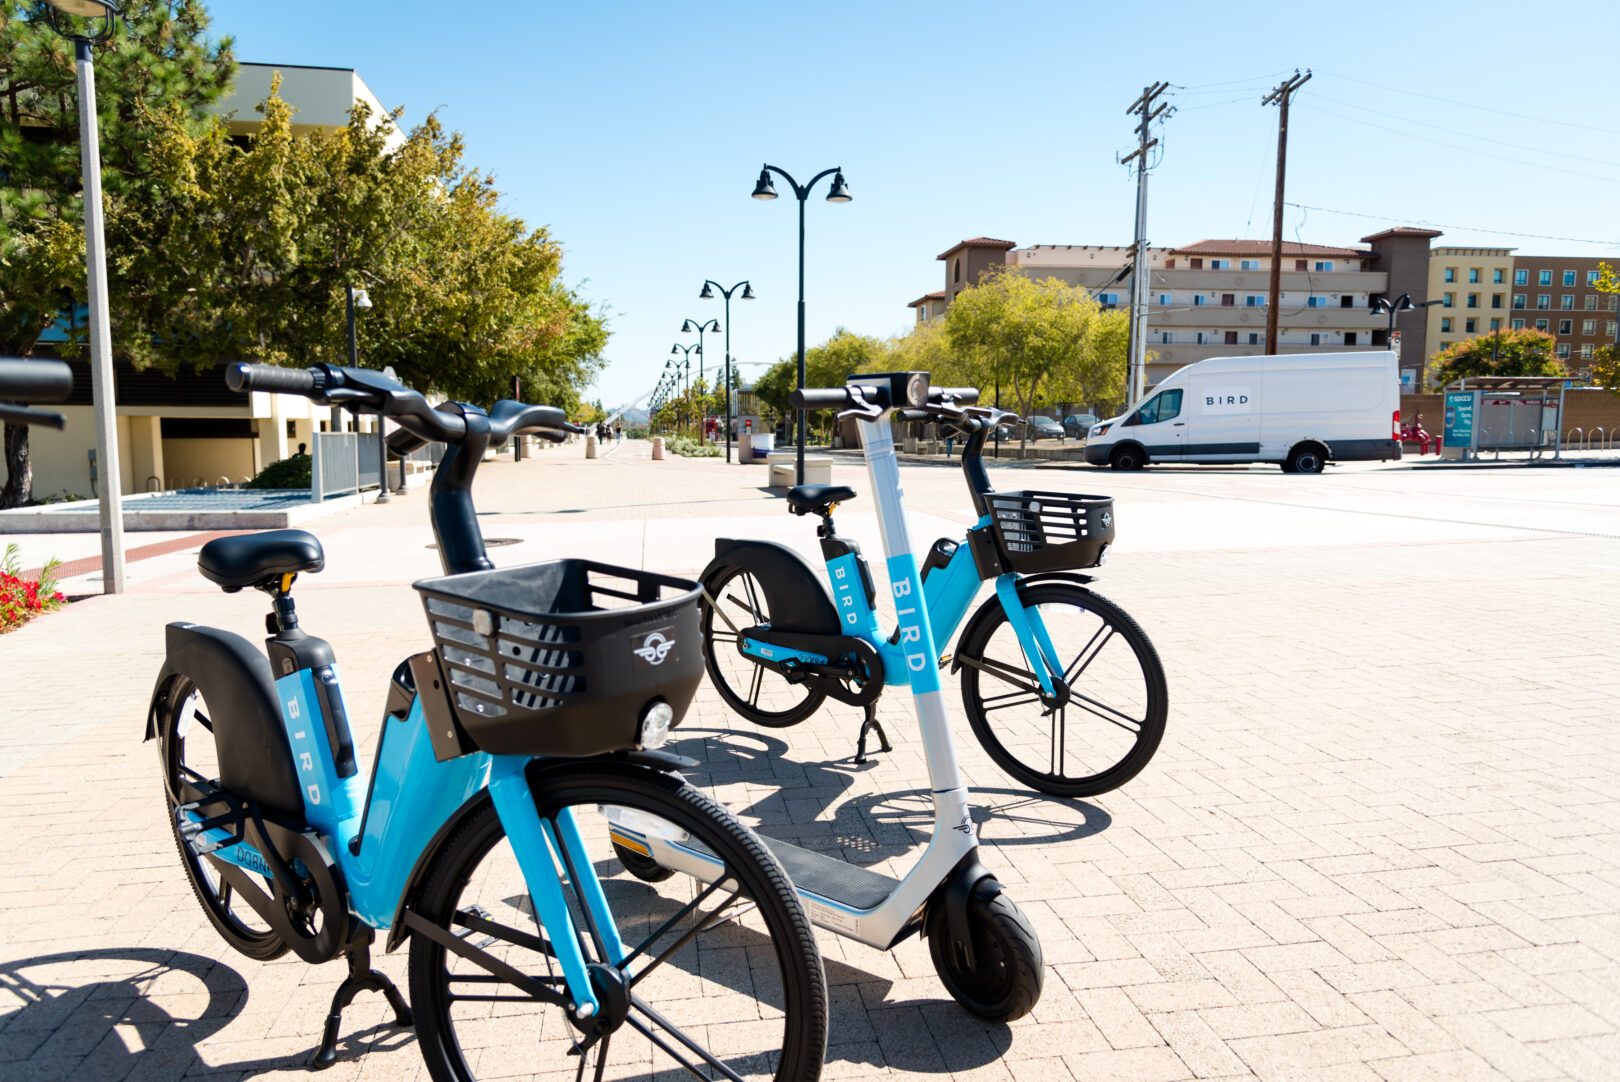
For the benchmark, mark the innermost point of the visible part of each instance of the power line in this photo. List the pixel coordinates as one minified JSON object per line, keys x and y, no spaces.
{"x":1469,"y":135}
{"x":1453,"y":225}
{"x":1471,"y":105}
{"x":1264,"y":79}
{"x":1465,"y":150}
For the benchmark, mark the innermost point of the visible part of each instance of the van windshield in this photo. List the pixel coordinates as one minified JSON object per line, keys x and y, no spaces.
{"x":1164,"y":406}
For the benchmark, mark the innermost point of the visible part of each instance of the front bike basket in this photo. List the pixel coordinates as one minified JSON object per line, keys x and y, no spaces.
{"x":1047,"y":531}
{"x":563,"y":657}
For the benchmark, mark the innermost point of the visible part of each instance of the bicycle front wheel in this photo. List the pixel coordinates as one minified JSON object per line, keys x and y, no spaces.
{"x":1114,"y":716}
{"x":722,"y":981}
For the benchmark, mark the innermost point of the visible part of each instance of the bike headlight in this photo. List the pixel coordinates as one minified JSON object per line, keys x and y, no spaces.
{"x":655,"y":723}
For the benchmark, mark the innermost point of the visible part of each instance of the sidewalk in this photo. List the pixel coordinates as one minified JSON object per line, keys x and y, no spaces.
{"x":1381,"y":840}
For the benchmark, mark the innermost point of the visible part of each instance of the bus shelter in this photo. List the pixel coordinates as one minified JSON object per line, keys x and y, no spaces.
{"x":1504,"y":413}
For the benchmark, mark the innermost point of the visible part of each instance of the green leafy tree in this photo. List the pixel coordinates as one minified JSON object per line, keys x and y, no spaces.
{"x":1030,"y":337}
{"x":160,"y":62}
{"x":1606,"y":359}
{"x":1523,"y":352}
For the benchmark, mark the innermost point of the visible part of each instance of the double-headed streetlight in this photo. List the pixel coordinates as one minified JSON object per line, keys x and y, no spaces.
{"x":686,"y":370}
{"x":688,"y":326}
{"x":1403,"y":303}
{"x":838,"y":193}
{"x":708,"y":295}
{"x":88,"y":23}
{"x":680,"y":373}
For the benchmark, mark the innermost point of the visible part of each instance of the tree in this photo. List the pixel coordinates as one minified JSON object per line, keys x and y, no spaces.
{"x":1606,"y":359}
{"x":1523,"y":352}
{"x":160,"y":60}
{"x":1029,"y":337}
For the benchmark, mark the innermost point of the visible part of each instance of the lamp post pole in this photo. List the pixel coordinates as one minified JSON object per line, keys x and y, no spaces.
{"x":687,"y":327}
{"x":748,"y":295}
{"x":103,"y":391}
{"x":686,"y":373}
{"x":838,"y":193}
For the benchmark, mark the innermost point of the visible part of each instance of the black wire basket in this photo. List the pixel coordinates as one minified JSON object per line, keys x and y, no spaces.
{"x":1050,"y":531}
{"x":563,"y":657}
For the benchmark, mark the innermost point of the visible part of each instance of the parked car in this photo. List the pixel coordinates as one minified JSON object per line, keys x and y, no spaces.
{"x":1044,"y":428}
{"x":1079,"y":425}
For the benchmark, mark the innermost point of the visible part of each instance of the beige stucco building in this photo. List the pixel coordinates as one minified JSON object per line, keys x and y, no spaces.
{"x":1474,"y":286}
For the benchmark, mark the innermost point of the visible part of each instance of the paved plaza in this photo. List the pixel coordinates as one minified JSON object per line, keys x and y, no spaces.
{"x":1380,"y":842}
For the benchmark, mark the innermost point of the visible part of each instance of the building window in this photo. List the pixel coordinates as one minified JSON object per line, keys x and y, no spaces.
{"x":1231,"y":338}
{"x":1566,"y":326}
{"x":1445,"y":345}
{"x":1248,"y":264}
{"x":1541,"y":325}
{"x":1470,"y":325}
{"x":1198,"y":300}
{"x":1591,"y":302}
{"x":1586,"y":352}
{"x":1448,"y":300}
{"x":1316,"y":302}
{"x":1496,"y":324}
{"x":1450,"y":275}
{"x":1521,"y":278}
{"x":1301,"y":264}
{"x":1496,"y":276}
{"x":1473,"y":300}
{"x":1567,"y":302}
{"x":1518,"y":300}
{"x":1200,"y":337}
{"x":1254,"y":338}
{"x":1543,"y":301}
{"x":1544,"y":278}
{"x":1164,"y":298}
{"x":1496,"y":300}
{"x":1569,"y":278}
{"x":1608,"y":329}
{"x":1517,"y":324}
{"x":1324,"y":265}
{"x":1108,"y":299}
{"x":1167,"y":338}
{"x":1220,"y":264}
{"x":1349,"y":338}
{"x":1591,"y":277}
{"x":1253,"y":301}
{"x":1473,"y":274}
{"x":1445,"y":324}
{"x":1614,"y":302}
{"x":958,"y":277}
{"x":1195,"y":264}
{"x":1562,"y":351}
{"x":1228,"y":300}
{"x":1316,"y":339}
{"x":1588,"y":326}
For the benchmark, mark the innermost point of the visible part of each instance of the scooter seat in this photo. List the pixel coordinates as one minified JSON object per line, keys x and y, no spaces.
{"x":816,"y":499}
{"x":253,"y":559}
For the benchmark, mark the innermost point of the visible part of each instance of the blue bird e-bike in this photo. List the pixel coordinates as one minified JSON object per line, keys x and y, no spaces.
{"x":516,"y":758}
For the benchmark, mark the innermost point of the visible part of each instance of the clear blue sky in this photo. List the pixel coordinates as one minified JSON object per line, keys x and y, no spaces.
{"x":634,"y":131}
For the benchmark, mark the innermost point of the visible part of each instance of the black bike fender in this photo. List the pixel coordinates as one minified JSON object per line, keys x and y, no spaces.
{"x":969,"y":879}
{"x":661,"y":761}
{"x":992,"y":604}
{"x":795,"y":592}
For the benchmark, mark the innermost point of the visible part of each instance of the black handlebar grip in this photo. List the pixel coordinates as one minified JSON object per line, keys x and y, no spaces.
{"x":965,"y":396}
{"x":403,"y":443}
{"x":269,"y":377}
{"x":820,"y":398}
{"x":34,"y":381}
{"x":550,"y":434}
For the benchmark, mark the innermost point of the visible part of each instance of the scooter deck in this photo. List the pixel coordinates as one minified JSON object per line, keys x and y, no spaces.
{"x":824,"y":876}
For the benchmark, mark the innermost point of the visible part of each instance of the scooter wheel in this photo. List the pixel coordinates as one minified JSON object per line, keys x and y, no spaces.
{"x":1005,"y":980}
{"x":643,"y":868}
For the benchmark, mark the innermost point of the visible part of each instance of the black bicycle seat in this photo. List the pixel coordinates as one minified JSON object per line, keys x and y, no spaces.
{"x":816,"y":499}
{"x":252,"y":559}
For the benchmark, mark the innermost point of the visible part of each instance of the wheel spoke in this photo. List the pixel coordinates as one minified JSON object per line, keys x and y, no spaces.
{"x":664,"y":1024}
{"x":672,"y":921}
{"x":1018,"y":678}
{"x":755,"y":609}
{"x":601,"y":1056}
{"x":1112,"y":716}
{"x":686,"y":937}
{"x":756,"y":685}
{"x":1072,"y":671}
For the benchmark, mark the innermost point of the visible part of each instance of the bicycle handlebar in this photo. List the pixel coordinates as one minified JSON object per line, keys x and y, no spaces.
{"x":34,"y":381}
{"x":268,"y":377}
{"x":22,"y":415}
{"x":865,"y":398}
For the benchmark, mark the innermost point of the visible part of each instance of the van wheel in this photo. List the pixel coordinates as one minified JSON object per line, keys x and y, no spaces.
{"x":1127,"y":458}
{"x":1306,"y":458}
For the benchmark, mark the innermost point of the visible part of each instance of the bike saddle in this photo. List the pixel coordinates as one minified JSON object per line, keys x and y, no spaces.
{"x":258,"y":559}
{"x":817,"y":499}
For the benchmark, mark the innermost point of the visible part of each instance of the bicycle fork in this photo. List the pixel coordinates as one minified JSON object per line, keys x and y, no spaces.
{"x":1033,"y":638}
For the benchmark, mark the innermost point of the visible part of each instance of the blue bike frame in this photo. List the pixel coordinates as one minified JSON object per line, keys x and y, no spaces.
{"x":411,"y":796}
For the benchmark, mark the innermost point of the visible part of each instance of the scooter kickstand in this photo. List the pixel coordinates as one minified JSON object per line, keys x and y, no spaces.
{"x":361,"y":978}
{"x":870,"y":724}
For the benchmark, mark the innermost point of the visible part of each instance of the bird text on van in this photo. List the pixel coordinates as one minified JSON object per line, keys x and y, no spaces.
{"x":1226,"y":400}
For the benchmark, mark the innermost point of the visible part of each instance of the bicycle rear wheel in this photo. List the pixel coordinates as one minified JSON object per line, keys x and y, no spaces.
{"x":724,"y":981}
{"x":1114,"y":717}
{"x":763,"y":696}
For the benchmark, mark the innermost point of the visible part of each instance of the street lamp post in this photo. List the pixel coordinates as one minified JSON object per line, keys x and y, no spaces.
{"x":686,"y":372}
{"x":687,"y":327}
{"x":838,"y":193}
{"x":708,"y":295}
{"x":1403,"y":303}
{"x":75,"y":21}
{"x":359,"y":299}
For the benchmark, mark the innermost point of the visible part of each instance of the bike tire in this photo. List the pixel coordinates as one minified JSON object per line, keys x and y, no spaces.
{"x":177,"y":702}
{"x":1135,"y":676}
{"x":727,"y":667}
{"x":782,"y":976}
{"x":1009,"y":969}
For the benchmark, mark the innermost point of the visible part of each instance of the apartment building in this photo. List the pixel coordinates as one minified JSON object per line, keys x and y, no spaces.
{"x":1556,"y":294}
{"x":1206,"y":299}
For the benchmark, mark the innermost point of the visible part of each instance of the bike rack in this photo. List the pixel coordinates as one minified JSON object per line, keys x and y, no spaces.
{"x":1576,"y":438}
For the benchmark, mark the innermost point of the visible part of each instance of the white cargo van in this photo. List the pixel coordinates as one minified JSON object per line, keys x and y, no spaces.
{"x":1298,"y":410}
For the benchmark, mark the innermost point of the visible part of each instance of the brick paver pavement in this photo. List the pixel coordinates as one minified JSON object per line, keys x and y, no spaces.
{"x":1378,"y":843}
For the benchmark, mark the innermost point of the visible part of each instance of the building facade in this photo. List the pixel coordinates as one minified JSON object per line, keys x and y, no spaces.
{"x":1557,"y":294}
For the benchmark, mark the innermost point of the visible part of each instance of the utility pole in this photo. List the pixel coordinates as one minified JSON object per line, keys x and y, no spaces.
{"x":1279,"y":97}
{"x":1144,"y":108}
